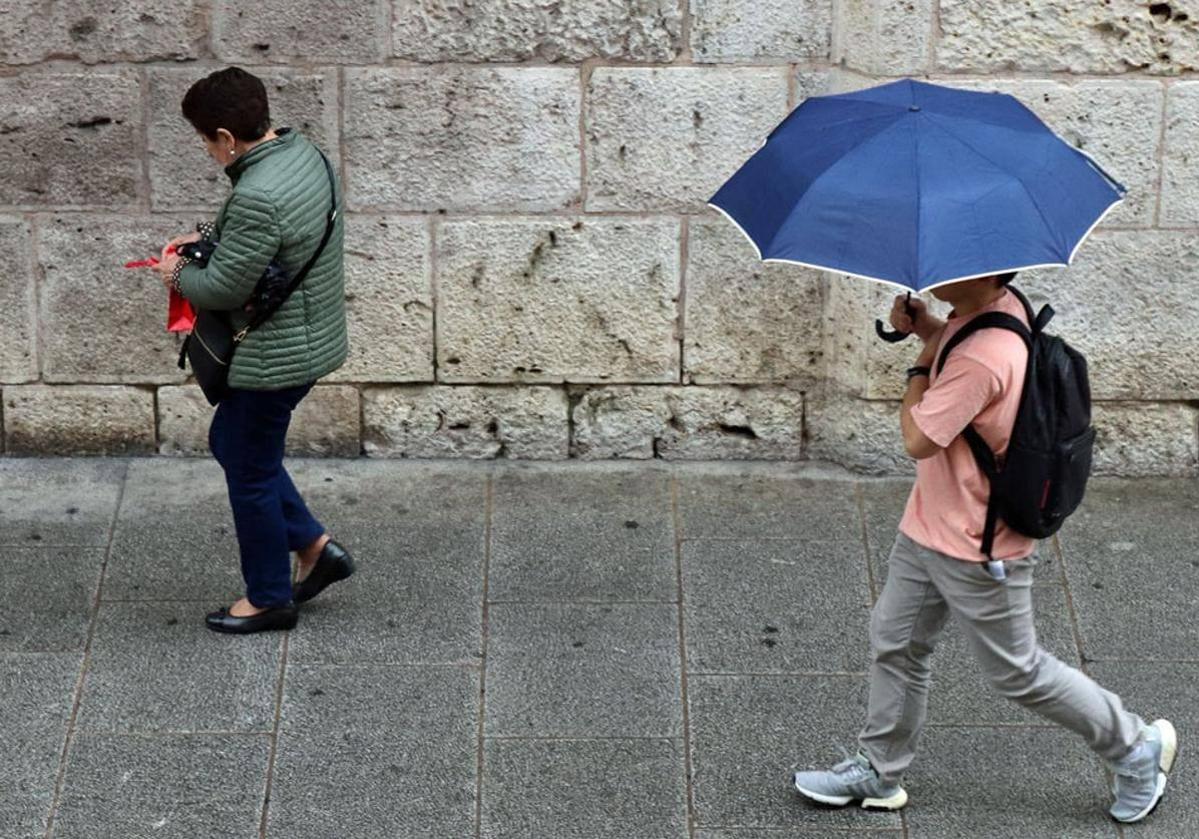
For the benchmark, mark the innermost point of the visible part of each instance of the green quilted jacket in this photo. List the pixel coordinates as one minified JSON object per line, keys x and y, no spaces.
{"x":277,"y":211}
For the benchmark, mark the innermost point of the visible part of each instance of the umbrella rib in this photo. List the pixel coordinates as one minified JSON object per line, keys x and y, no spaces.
{"x":1017,"y":178}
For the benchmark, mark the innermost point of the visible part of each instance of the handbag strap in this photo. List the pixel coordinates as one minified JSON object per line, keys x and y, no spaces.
{"x":263,"y":316}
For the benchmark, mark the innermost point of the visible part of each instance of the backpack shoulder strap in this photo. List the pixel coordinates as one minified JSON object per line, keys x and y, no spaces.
{"x":990,"y":320}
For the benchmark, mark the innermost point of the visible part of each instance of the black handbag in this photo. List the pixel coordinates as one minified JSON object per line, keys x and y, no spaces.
{"x":210,"y":346}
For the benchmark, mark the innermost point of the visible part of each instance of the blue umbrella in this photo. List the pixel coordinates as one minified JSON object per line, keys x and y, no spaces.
{"x":917,"y":185}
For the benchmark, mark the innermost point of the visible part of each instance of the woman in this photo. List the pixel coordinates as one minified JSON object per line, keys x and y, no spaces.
{"x":277,"y":211}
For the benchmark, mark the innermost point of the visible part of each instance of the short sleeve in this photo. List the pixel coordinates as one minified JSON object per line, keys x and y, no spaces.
{"x":963,"y":390}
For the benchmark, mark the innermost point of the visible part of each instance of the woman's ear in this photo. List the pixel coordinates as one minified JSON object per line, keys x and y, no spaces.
{"x":225,"y":140}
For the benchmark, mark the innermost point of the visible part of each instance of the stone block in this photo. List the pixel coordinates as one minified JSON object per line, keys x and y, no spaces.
{"x":472,"y":422}
{"x":858,"y":434}
{"x":807,"y":82}
{"x":81,"y":419}
{"x":301,"y":31}
{"x":326,"y":424}
{"x":182,"y":175}
{"x":1180,"y":179}
{"x":1146,"y":440}
{"x":70,"y":139}
{"x":886,"y":38}
{"x":176,"y":787}
{"x":1130,"y":303}
{"x":101,"y":323}
{"x":1116,"y":121}
{"x":689,"y":423}
{"x":572,"y":670}
{"x":18,"y":303}
{"x":145,"y":30}
{"x":666,"y":138}
{"x":539,"y":30}
{"x":1064,"y":36}
{"x":746,"y":322}
{"x":430,"y":138}
{"x":726,"y":30}
{"x":584,"y":789}
{"x":389,"y":301}
{"x":551,"y":301}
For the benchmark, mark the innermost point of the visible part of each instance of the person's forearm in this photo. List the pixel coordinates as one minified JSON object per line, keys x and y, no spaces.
{"x":928,"y":326}
{"x":913,"y":438}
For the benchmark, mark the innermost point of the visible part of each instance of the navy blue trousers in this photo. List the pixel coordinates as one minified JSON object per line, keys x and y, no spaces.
{"x":246,"y":438}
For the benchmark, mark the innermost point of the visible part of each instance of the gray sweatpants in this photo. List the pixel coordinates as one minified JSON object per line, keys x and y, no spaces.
{"x":923,"y":589}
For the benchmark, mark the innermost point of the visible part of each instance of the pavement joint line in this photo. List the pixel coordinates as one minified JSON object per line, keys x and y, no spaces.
{"x":582,"y":603}
{"x":169,"y":733}
{"x":1075,"y":630}
{"x":77,"y":698}
{"x":533,"y":738}
{"x":861,"y":505}
{"x":677,"y":521}
{"x":724,"y":674}
{"x":1033,"y":725}
{"x":274,"y":735}
{"x":484,"y":636}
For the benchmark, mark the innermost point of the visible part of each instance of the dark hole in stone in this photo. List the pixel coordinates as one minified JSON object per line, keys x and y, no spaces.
{"x":328,"y":480}
{"x":493,"y":427}
{"x":72,"y":510}
{"x":316,"y":692}
{"x":631,"y":524}
{"x":1161,"y":10}
{"x":553,"y":239}
{"x":391,"y":624}
{"x":94,"y":122}
{"x":738,"y":431}
{"x":1180,"y":17}
{"x":578,"y":225}
{"x":82,"y":29}
{"x":172,"y":621}
{"x":5,"y":632}
{"x":460,"y":426}
{"x":769,"y":642}
{"x":453,"y":359}
{"x":1097,"y":586}
{"x":770,"y":629}
{"x":36,"y":537}
{"x":577,"y":644}
{"x":146,"y":18}
{"x":262,"y":47}
{"x":697,"y":119}
{"x":622,"y":151}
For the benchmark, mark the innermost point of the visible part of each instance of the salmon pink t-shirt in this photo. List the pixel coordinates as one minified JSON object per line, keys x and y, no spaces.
{"x":981,"y":384}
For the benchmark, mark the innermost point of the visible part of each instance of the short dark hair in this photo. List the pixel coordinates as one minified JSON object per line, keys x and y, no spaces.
{"x":231,"y":99}
{"x":1006,"y":279}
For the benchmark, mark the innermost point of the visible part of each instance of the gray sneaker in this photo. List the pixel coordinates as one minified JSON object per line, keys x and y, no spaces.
{"x":854,"y":779}
{"x":1140,"y":777}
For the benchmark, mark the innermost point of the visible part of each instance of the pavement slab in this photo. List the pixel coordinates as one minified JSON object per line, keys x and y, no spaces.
{"x":55,"y":502}
{"x":46,"y":597}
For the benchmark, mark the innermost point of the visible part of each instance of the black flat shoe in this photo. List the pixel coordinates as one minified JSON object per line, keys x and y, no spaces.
{"x":334,"y":564}
{"x":281,"y":617}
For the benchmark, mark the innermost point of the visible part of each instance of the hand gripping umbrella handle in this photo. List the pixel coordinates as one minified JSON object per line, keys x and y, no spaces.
{"x":895,"y":336}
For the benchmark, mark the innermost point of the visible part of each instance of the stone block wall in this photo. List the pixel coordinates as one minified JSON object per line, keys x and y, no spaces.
{"x":531,"y":268}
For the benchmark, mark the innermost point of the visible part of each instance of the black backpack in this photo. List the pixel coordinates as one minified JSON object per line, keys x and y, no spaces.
{"x":1044,"y":474}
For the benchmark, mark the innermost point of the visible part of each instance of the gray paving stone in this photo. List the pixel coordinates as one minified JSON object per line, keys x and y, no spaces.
{"x":58,"y":502}
{"x":155,"y":667}
{"x":583,"y":671}
{"x":376,"y":751}
{"x":38,"y":692}
{"x":775,"y":606}
{"x":1154,"y":690}
{"x":1133,"y":569}
{"x":584,"y":789}
{"x":795,"y":833}
{"x":174,"y":538}
{"x":570,"y":536}
{"x":179,"y":787}
{"x":774,"y":505}
{"x":996,"y":783}
{"x":46,"y":597}
{"x":750,"y":733}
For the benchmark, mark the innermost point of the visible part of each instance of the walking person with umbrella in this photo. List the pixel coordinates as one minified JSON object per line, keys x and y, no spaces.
{"x":929,"y":188}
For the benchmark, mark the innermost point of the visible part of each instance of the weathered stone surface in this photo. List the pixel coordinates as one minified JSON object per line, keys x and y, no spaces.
{"x":689,"y":423}
{"x":182,"y":175}
{"x":82,"y":419}
{"x":1116,"y":121}
{"x":811,"y":83}
{"x":423,"y":138}
{"x":340,"y":31}
{"x":886,"y":38}
{"x":145,"y":30}
{"x":100,"y":322}
{"x":723,"y":30}
{"x":70,"y":138}
{"x":502,"y":30}
{"x":1130,"y":303}
{"x":858,"y":434}
{"x":326,"y":424}
{"x":1061,"y":35}
{"x":746,"y":322}
{"x":1180,"y":181}
{"x":552,"y":301}
{"x":389,"y":301}
{"x":472,"y":422}
{"x":18,"y":303}
{"x":1142,"y":440}
{"x":667,"y":138}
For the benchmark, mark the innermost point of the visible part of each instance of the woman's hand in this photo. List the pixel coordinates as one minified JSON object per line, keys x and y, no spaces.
{"x":169,"y":247}
{"x":166,"y":267}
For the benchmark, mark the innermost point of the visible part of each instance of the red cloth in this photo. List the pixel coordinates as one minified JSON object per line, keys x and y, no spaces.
{"x":181,"y":317}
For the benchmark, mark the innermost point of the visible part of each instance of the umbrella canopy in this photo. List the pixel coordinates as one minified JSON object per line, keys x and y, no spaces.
{"x":917,"y":185}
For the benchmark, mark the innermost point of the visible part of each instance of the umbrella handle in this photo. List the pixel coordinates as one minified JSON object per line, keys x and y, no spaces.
{"x":895,"y":336}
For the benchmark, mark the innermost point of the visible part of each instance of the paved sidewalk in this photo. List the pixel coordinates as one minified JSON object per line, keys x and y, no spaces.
{"x":571,"y":652}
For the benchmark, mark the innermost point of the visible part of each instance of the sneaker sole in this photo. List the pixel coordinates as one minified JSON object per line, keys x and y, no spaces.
{"x":893,"y":802}
{"x":1165,"y":764}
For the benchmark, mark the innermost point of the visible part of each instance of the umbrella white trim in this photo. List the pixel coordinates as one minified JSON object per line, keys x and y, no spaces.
{"x":901,"y":286}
